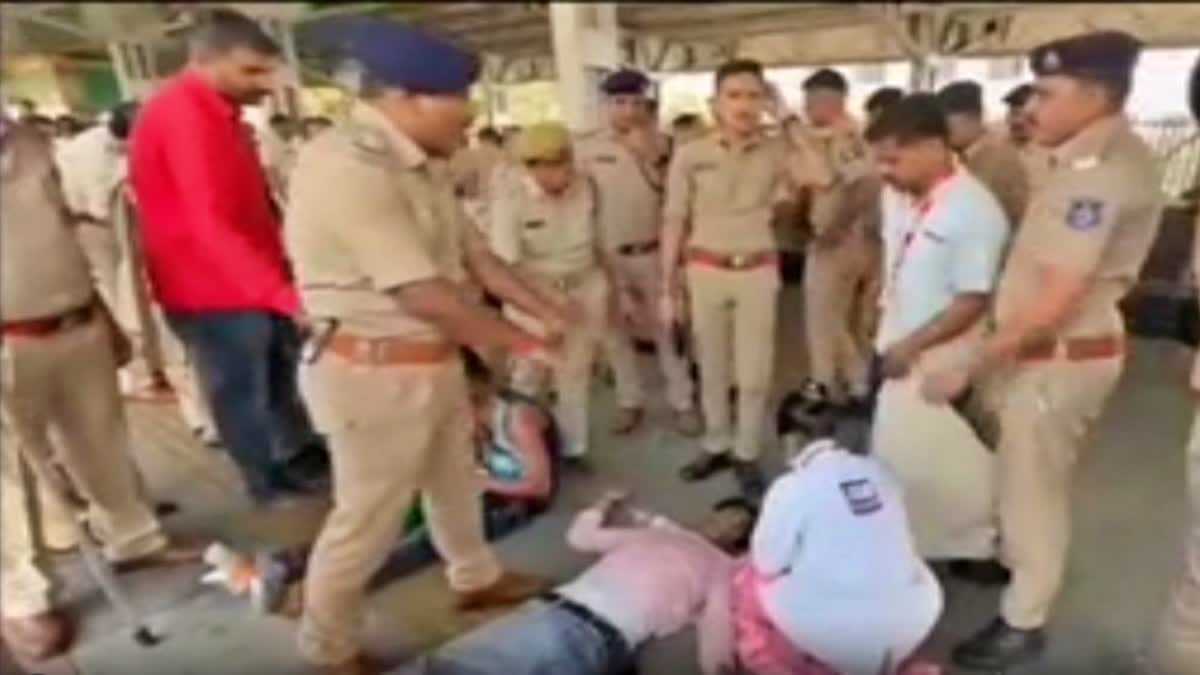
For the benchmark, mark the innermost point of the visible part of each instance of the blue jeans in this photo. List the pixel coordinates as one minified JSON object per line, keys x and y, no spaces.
{"x":246,"y":362}
{"x":539,"y":639}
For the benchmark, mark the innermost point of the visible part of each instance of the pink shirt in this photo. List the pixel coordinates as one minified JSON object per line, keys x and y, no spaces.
{"x":654,"y":581}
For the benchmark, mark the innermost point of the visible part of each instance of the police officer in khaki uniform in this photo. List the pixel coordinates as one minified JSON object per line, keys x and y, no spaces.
{"x":989,"y":158}
{"x":723,"y":192}
{"x":841,"y":268}
{"x":1176,"y":649}
{"x":60,"y":353}
{"x":1058,"y":346}
{"x":548,"y":227}
{"x":382,"y":253}
{"x":628,"y":160}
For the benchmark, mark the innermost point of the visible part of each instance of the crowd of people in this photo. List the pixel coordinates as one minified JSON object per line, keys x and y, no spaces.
{"x":311,"y":293}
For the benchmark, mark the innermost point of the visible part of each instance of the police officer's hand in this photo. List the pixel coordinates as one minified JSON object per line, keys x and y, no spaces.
{"x":944,"y":386}
{"x":899,"y":359}
{"x":122,"y":347}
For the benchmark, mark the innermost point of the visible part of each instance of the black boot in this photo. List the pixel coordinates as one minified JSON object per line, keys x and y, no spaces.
{"x":750,"y":479}
{"x":999,"y":647}
{"x":981,"y":572}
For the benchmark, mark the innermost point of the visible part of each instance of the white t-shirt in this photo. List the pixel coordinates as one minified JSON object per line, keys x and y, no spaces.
{"x":934,"y":249}
{"x":845,"y":580}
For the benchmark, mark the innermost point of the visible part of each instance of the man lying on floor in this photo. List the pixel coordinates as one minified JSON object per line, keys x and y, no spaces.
{"x":519,"y":453}
{"x":653,"y":579}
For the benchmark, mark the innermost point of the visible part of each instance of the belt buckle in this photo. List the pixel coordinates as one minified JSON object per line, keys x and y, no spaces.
{"x":738,"y":261}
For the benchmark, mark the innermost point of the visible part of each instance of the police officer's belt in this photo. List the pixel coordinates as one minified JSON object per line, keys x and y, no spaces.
{"x":45,"y":326}
{"x":1074,"y":349}
{"x":735,"y":261}
{"x":389,"y":351}
{"x":638,"y":248}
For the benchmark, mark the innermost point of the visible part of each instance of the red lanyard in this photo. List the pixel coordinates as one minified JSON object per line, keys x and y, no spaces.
{"x":924,"y":206}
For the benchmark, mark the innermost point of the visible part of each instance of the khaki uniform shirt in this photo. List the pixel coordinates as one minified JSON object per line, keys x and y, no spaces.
{"x":369,"y":212}
{"x":1196,"y":281}
{"x":43,"y":271}
{"x":728,"y":195}
{"x":630,"y":189}
{"x":845,"y":153}
{"x":92,"y":165}
{"x":999,"y":166}
{"x":1097,"y":216}
{"x":552,"y":236}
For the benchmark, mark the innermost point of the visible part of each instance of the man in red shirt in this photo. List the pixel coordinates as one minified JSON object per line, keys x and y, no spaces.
{"x":214,"y":252}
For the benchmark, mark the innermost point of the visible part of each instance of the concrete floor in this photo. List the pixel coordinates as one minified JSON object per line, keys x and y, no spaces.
{"x":1128,"y":507}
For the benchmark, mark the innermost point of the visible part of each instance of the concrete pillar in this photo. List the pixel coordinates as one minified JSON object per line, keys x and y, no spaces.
{"x":286,"y":98}
{"x":586,"y":48}
{"x":135,"y":65}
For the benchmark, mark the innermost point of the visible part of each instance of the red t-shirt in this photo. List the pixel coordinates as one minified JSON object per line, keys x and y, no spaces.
{"x":211,"y":236}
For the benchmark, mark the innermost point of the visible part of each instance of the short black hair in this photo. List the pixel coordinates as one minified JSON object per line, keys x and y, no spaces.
{"x":221,"y":30}
{"x":826,"y":78}
{"x":914,"y":117}
{"x":739,"y":67}
{"x":746,"y":506}
{"x":121,"y":118}
{"x":489,"y":135}
{"x":962,"y":96}
{"x":685,"y":120}
{"x":882,"y":98}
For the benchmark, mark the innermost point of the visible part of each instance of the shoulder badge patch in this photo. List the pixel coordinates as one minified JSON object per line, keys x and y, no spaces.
{"x":1085,"y":213}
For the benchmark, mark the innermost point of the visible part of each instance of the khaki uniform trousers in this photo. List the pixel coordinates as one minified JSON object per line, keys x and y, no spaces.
{"x":1045,"y":410}
{"x":392,"y":431}
{"x":867,"y":312}
{"x":573,"y":377}
{"x":734,"y":314}
{"x":948,"y":476}
{"x":834,"y":280}
{"x":68,"y":382}
{"x":642,"y":271}
{"x":1176,"y":649}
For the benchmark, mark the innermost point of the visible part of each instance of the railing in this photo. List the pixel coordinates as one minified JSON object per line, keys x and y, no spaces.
{"x":1176,"y":142}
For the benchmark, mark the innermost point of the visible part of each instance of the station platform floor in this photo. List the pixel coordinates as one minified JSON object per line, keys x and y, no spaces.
{"x":1128,"y":508}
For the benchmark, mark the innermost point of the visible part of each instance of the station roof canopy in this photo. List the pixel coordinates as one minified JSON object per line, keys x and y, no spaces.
{"x":516,"y":37}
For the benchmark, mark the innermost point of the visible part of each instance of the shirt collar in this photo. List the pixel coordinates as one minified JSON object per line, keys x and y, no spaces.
{"x":753,"y":142}
{"x":536,"y":192}
{"x":810,"y":452}
{"x":410,"y":154}
{"x":1087,"y":147}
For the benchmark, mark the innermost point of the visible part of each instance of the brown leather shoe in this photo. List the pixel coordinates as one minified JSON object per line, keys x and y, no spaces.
{"x":359,"y":665}
{"x":688,"y":423}
{"x":510,"y":589}
{"x":39,"y":637}
{"x":172,"y":554}
{"x":627,"y":420}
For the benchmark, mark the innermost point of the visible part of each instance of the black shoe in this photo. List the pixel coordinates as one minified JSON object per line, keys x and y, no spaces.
{"x":578,"y":465}
{"x":706,"y":466}
{"x":164,"y":509}
{"x":999,"y":647}
{"x":750,"y":479}
{"x":980,"y":572}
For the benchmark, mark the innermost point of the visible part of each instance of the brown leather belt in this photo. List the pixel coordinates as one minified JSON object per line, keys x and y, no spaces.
{"x":50,"y":325}
{"x":638,"y":248}
{"x":736,"y":262}
{"x":389,"y":351}
{"x":1075,"y":349}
